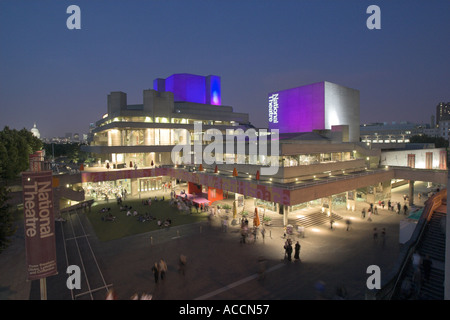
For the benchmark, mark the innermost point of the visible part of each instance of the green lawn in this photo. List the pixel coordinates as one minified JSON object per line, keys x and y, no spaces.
{"x":124,"y":225}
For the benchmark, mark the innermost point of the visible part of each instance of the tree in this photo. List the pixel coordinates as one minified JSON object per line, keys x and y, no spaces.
{"x":15,"y":148}
{"x":7,"y":228}
{"x":439,"y":142}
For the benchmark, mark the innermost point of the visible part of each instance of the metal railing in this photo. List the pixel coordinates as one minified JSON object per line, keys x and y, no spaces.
{"x":390,"y":286}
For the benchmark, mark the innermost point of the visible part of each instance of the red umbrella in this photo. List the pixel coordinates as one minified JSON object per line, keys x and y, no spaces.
{"x":256,"y":221}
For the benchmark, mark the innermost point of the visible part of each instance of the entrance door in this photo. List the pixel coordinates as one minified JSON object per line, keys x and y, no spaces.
{"x":411,"y":160}
{"x":429,"y":160}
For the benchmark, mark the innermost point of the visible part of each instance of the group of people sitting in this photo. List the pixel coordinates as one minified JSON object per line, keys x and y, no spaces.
{"x":149,"y":201}
{"x":166,"y":223}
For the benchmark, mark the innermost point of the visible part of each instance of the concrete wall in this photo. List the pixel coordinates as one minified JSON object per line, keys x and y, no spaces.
{"x":400,"y":158}
{"x":342,"y":108}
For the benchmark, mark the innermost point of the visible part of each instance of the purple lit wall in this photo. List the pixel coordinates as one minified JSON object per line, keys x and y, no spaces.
{"x":317,"y":106}
{"x":191,"y":88}
{"x":213,"y":90}
{"x":300,"y":109}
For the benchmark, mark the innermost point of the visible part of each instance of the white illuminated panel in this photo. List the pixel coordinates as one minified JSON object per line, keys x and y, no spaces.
{"x":273,"y":108}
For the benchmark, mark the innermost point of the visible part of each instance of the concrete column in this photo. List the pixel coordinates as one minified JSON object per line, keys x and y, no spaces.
{"x":283,"y":210}
{"x":411,"y":193}
{"x":330,"y":204}
{"x":134,"y":187}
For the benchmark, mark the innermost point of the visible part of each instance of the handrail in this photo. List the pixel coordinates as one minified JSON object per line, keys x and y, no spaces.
{"x":389,"y":286}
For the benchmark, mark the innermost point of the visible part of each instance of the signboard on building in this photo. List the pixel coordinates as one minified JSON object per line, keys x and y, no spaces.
{"x":39,"y":224}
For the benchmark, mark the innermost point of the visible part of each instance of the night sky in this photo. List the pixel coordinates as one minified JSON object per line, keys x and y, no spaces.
{"x":60,"y":78}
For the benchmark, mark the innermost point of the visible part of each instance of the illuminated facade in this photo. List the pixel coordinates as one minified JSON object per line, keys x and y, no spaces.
{"x":318,"y":154}
{"x":318,"y":106}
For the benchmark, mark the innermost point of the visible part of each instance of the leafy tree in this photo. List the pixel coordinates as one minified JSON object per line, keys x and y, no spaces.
{"x":15,"y":148}
{"x":7,"y":228}
{"x":439,"y":142}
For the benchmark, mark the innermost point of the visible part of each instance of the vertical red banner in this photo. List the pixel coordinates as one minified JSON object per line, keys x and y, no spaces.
{"x":39,"y":224}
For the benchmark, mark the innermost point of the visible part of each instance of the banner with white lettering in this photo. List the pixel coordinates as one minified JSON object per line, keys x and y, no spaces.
{"x":39,"y":224}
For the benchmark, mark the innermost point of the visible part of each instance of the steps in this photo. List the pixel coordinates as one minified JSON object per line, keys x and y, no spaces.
{"x":316,"y":219}
{"x":432,"y":244}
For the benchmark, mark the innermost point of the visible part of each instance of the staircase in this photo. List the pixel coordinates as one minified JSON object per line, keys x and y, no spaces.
{"x":432,"y":244}
{"x":316,"y":219}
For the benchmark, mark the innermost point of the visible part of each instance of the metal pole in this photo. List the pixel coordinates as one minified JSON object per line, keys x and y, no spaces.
{"x":43,"y":282}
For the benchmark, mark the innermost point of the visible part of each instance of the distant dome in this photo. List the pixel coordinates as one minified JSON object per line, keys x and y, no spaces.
{"x":35,"y":132}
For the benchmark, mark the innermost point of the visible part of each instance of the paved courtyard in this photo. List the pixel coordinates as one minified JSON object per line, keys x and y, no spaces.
{"x":219,"y":267}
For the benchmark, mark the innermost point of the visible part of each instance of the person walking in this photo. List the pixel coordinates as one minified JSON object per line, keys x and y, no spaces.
{"x":155,"y":270}
{"x":263,"y":233}
{"x":426,"y":263}
{"x":182,"y":264}
{"x":297,"y":251}
{"x":162,"y":268}
{"x":405,"y":209}
{"x":348,"y":222}
{"x":383,"y":236}
{"x":363,"y":213}
{"x":399,"y":207}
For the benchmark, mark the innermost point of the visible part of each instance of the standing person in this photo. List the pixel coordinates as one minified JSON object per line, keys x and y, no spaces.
{"x":389,"y":204}
{"x":399,"y":206}
{"x":363,"y":213}
{"x":405,"y":209}
{"x":162,"y":268}
{"x":289,"y":251}
{"x":263,"y":233}
{"x":155,"y":270}
{"x":297,"y":251}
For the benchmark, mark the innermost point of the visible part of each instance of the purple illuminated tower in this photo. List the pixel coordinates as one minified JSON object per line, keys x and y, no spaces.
{"x":316,"y":106}
{"x":191,"y":88}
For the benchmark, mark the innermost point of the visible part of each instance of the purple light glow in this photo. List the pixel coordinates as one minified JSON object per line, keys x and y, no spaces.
{"x":300,"y":109}
{"x":191,"y":88}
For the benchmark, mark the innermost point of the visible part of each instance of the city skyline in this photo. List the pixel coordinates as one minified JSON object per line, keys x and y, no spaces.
{"x":60,"y":78}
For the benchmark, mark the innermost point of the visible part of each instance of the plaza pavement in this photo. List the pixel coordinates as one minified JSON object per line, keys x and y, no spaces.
{"x":219,"y":267}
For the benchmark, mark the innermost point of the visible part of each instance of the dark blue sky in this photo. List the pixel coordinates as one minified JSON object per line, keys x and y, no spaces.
{"x":60,"y":78}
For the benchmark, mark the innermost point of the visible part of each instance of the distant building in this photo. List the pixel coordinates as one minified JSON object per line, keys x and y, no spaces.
{"x":390,"y":132}
{"x":35,"y":132}
{"x":442,"y":112}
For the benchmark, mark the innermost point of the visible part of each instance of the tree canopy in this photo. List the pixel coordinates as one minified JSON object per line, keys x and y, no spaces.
{"x":15,"y":148}
{"x":439,"y":142}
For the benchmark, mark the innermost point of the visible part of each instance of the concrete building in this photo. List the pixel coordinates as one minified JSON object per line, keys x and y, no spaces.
{"x":318,"y":106}
{"x":442,"y":112}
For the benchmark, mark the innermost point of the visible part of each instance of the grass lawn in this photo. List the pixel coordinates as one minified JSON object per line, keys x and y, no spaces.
{"x":124,"y":225}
